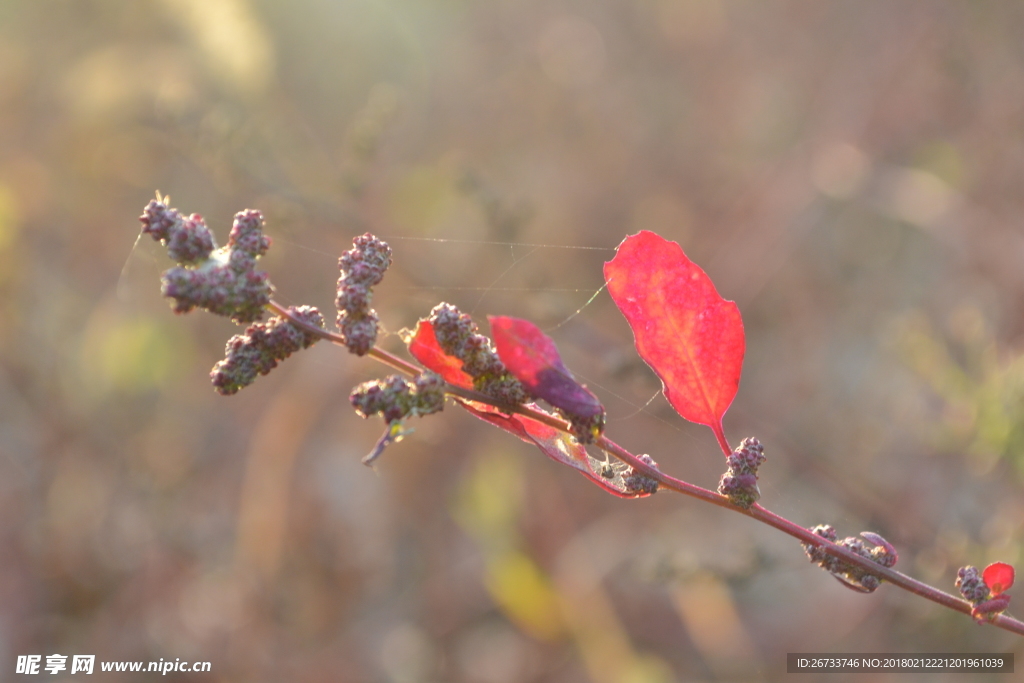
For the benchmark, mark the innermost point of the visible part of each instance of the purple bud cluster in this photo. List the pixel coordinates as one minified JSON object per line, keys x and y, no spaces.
{"x":971,"y":585}
{"x":817,"y":554}
{"x":396,"y":398}
{"x":974,"y":589}
{"x":637,"y":482}
{"x":881,"y":552}
{"x":739,"y":483}
{"x":459,"y":336}
{"x":188,"y":240}
{"x":263,"y":345}
{"x":362,"y":267}
{"x":247,"y":234}
{"x":225,"y":281}
{"x":586,"y":428}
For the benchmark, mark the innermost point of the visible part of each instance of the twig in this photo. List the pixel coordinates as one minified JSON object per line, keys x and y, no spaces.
{"x":756,"y":511}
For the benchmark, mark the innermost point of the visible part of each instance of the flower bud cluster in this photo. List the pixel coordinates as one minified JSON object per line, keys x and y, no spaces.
{"x":586,"y":428}
{"x":247,"y":234}
{"x":637,"y":482}
{"x":739,"y":483}
{"x":263,"y":345}
{"x":362,"y":267}
{"x":188,"y":240}
{"x":222,"y":281}
{"x":817,"y":554}
{"x":396,"y":398}
{"x":882,"y":552}
{"x":971,"y":585}
{"x":459,"y":336}
{"x":976,"y":590}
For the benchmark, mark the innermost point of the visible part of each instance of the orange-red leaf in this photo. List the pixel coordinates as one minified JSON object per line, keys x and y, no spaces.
{"x":689,"y":335}
{"x":424,"y":347}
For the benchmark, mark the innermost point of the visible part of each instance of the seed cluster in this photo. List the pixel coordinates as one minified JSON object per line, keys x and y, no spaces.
{"x":459,"y":336}
{"x":587,"y":428}
{"x":261,"y":347}
{"x":362,"y":267}
{"x":396,"y":398}
{"x":974,"y":588}
{"x":971,"y":585}
{"x":637,"y":482}
{"x":739,"y":482}
{"x":222,"y":281}
{"x":854,"y":577}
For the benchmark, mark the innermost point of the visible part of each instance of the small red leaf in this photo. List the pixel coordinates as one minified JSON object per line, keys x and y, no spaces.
{"x":689,"y":335}
{"x":424,"y":347}
{"x":532,"y":358}
{"x":998,"y":577}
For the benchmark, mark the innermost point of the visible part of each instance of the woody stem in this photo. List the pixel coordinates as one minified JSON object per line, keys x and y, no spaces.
{"x":757,"y":512}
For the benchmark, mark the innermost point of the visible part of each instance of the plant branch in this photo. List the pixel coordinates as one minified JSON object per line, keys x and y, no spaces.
{"x":756,"y":512}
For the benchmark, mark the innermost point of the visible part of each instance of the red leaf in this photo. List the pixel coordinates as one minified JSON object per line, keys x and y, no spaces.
{"x":998,"y":577}
{"x":689,"y":335}
{"x":532,"y":357}
{"x":552,"y":442}
{"x":558,"y":446}
{"x":424,"y":347}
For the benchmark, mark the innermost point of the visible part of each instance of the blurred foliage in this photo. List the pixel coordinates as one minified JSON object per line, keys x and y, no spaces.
{"x":981,"y":387}
{"x":849,"y":173}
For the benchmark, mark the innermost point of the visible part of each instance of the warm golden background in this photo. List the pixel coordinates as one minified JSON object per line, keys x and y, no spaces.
{"x":852,"y":173}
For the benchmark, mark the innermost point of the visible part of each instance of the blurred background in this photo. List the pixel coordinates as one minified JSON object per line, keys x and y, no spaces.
{"x":849,"y":172}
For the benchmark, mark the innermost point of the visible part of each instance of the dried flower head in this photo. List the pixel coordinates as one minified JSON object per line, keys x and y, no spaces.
{"x":459,"y":336}
{"x":852,"y":576}
{"x":261,"y":347}
{"x":222,"y":281}
{"x":362,"y":267}
{"x":739,"y":482}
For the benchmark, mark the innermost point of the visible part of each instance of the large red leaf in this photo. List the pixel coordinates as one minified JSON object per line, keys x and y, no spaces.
{"x":689,"y":335}
{"x":532,"y":358}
